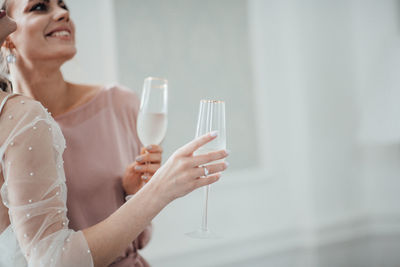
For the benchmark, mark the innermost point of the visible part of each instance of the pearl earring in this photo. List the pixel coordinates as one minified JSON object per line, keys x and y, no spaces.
{"x":11,"y":58}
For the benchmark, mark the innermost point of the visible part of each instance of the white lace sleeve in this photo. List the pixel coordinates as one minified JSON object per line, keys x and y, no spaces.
{"x":34,"y":191}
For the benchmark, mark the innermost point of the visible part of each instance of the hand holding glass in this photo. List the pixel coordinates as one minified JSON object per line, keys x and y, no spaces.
{"x":152,"y":118}
{"x":211,"y":118}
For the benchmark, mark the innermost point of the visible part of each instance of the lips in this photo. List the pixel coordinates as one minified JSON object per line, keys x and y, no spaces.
{"x":61,"y":32}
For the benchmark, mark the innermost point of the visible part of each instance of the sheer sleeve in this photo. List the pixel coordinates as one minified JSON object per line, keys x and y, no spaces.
{"x":34,"y":192}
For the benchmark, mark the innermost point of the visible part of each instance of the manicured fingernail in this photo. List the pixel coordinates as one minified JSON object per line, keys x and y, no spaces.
{"x":149,"y":147}
{"x":140,"y":158}
{"x":227,"y":151}
{"x":214,"y":133}
{"x":227,"y":164}
{"x":138,"y":168}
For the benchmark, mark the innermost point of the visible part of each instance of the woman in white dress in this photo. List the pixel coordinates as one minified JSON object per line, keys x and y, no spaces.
{"x":33,"y":222}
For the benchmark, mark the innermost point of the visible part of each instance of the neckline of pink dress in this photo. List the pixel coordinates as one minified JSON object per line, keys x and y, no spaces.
{"x":84,"y":105}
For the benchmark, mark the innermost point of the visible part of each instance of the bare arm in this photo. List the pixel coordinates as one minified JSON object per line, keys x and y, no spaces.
{"x":179,"y":176}
{"x":109,"y":238}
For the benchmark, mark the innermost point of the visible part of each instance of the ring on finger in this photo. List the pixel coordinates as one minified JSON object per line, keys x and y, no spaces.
{"x":206,"y":172}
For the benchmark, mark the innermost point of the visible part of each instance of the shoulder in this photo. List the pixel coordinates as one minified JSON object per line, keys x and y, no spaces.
{"x":23,"y":107}
{"x":121,"y":92}
{"x":20,"y":112}
{"x":123,"y":97}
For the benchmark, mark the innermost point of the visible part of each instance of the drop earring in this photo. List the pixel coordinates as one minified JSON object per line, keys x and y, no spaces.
{"x":11,"y":58}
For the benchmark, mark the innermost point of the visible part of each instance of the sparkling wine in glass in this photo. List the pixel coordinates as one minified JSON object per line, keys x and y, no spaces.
{"x":152,"y":118}
{"x":211,"y":118}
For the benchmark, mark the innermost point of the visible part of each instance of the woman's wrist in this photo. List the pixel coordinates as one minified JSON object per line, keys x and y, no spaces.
{"x":155,"y":190}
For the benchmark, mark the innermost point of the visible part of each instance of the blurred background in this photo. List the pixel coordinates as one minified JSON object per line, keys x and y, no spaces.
{"x":312,"y":91}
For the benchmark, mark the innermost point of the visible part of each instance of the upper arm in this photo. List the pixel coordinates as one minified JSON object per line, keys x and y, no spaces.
{"x":35,"y":193}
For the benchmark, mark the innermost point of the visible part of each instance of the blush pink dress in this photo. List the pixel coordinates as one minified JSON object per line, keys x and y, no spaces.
{"x":101,"y":141}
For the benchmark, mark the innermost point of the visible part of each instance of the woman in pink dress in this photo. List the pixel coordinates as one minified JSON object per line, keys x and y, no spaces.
{"x":103,"y":161}
{"x":33,"y":215}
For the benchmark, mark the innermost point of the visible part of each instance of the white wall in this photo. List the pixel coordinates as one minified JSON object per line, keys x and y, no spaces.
{"x":331,"y":117}
{"x":96,"y":60}
{"x":203,"y":54}
{"x":305,"y":70}
{"x":378,"y":37}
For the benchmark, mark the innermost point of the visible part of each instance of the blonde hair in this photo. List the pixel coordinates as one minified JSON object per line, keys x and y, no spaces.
{"x":5,"y":83}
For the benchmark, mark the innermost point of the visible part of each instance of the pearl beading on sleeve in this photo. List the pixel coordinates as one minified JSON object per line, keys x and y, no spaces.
{"x":29,"y":208}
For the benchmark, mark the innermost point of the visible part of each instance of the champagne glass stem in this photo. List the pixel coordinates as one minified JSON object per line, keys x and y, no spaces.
{"x":204,"y":222}
{"x":211,"y":118}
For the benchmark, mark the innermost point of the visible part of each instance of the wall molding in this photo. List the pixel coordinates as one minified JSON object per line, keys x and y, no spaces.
{"x":268,"y":245}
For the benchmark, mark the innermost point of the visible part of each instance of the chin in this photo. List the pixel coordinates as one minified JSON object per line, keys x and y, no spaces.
{"x":61,"y":55}
{"x":65,"y":58}
{"x":70,"y":54}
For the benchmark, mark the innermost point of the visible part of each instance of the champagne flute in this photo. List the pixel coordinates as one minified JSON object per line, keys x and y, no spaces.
{"x":211,"y":118}
{"x":152,"y":118}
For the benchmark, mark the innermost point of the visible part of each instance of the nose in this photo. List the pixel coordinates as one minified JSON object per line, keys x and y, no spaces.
{"x":61,"y":14}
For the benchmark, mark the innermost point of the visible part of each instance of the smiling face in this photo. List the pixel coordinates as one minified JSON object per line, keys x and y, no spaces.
{"x":45,"y":30}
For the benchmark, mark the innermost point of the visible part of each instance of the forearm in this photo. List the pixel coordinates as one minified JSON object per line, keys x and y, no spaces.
{"x":179,"y":176}
{"x":108,"y":239}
